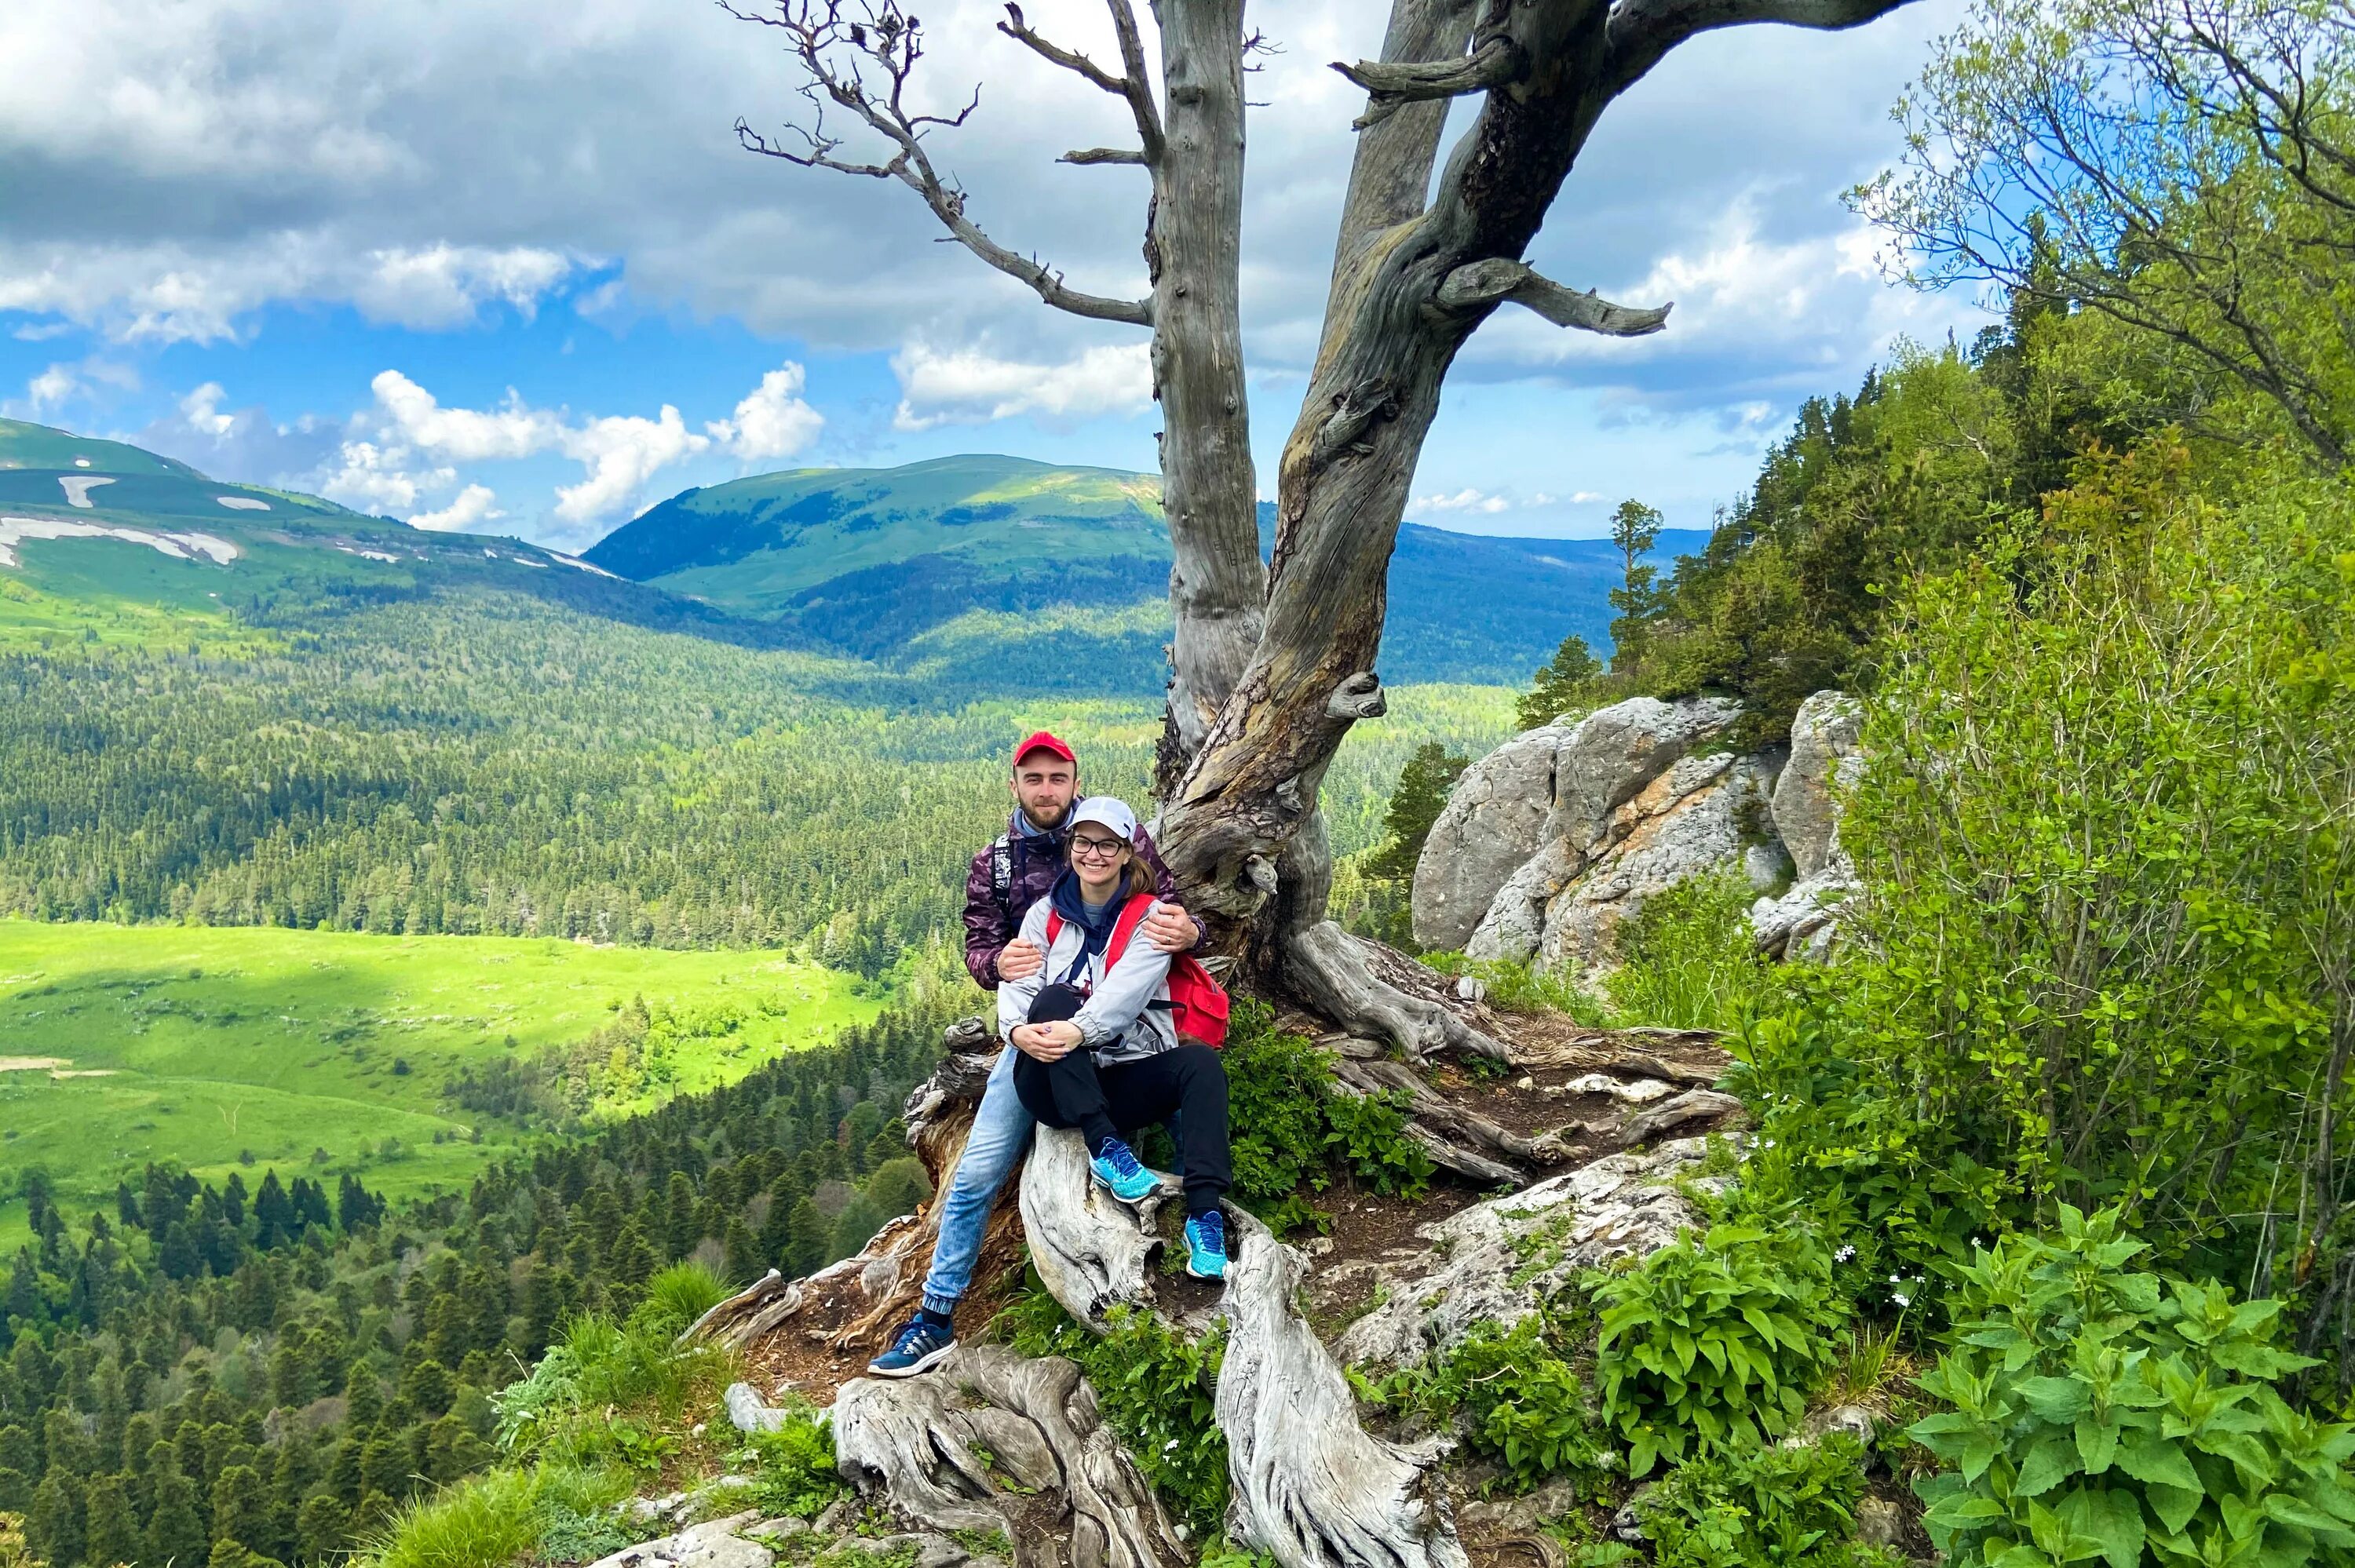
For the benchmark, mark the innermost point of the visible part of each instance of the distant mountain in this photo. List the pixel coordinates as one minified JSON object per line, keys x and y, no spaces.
{"x":1039,"y":569}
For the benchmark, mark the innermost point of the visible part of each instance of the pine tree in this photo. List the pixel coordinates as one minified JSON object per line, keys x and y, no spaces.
{"x":114,"y":1532}
{"x":176,"y":1530}
{"x":1565,"y":684}
{"x":54,"y":1526}
{"x":806,"y":1240}
{"x":1635,"y":528}
{"x":1415,"y":805}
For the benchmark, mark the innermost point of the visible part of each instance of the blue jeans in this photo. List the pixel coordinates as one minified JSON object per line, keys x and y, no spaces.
{"x":1001,"y":1131}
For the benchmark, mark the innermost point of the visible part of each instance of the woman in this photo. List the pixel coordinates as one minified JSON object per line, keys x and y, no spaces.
{"x":1100,"y":1050}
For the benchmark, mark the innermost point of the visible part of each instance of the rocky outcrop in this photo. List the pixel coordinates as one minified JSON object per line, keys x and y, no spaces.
{"x":1496,"y":1262}
{"x":1570,"y":829}
{"x":1556,"y":785}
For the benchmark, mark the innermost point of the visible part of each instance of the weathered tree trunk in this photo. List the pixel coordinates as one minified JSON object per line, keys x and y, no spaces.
{"x":1218,"y":585}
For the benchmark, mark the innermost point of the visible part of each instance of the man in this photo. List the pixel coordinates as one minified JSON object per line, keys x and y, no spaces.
{"x":1014,"y":872}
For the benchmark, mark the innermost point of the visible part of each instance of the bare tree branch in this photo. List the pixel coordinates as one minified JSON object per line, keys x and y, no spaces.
{"x":1084,"y":155}
{"x":1497,"y":61}
{"x":1481,"y":283}
{"x":1639,"y":32}
{"x":1047,"y":50}
{"x":863,"y":65}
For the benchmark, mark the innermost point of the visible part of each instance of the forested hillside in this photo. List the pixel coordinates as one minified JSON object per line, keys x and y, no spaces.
{"x":265,"y":1370}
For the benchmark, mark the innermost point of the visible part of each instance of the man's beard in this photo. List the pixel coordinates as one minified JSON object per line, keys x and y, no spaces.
{"x":1050,"y":825}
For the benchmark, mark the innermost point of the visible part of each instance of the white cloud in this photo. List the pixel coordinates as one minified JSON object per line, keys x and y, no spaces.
{"x":772,"y":422}
{"x":201,"y":409}
{"x":622,"y":454}
{"x":476,"y":504}
{"x":971,"y":386}
{"x":172,"y":291}
{"x":415,"y":417}
{"x":50,"y":388}
{"x":370,"y":478}
{"x":1472,"y":500}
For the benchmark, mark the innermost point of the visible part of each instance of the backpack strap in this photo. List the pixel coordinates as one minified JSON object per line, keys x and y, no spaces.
{"x":1001,"y":867}
{"x":1132,"y":916}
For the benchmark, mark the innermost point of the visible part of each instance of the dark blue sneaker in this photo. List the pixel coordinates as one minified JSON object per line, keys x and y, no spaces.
{"x":1205,"y":1245}
{"x":1117,"y":1167}
{"x":920,"y":1346}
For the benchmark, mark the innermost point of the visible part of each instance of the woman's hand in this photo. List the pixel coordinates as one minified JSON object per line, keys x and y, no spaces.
{"x":1045,"y":1042}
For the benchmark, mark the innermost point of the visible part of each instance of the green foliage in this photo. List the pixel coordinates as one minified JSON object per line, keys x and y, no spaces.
{"x":1763,"y":1507}
{"x":795,"y":1471}
{"x":501,"y":1517}
{"x":566,"y":1410}
{"x":1565,"y":683}
{"x":1415,"y":804}
{"x":1522,"y":1395}
{"x":1688,"y":962}
{"x":1156,"y":1390}
{"x":2099,"y":1412}
{"x":1368,"y":1133}
{"x":1512,"y":985}
{"x":680,"y":1294}
{"x":1713,"y":1343}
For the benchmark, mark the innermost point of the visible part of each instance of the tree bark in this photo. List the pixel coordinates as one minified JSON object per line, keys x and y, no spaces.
{"x":1209,"y":490}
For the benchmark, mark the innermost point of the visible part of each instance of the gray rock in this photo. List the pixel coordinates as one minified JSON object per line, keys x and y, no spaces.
{"x":714,"y":1544}
{"x":1545,"y":795}
{"x":1880,"y":1522}
{"x":1802,"y":925}
{"x":1493,"y":1262}
{"x":747,"y":1413}
{"x":1520,"y":1515}
{"x":1691,"y":820}
{"x":1626,"y":1525}
{"x":1493,"y":820}
{"x":1806,"y":813}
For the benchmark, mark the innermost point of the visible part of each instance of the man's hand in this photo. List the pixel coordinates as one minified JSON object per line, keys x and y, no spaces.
{"x":1170,"y":929}
{"x":1020,"y":958}
{"x":1045,"y":1042}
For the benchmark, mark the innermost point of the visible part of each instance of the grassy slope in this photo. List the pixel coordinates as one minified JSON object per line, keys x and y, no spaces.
{"x":217,"y":1042}
{"x":25,"y":445}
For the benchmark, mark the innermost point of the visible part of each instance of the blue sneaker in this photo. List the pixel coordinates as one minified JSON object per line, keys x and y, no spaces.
{"x":1117,"y":1167}
{"x":920,"y":1346}
{"x":1205,"y":1245}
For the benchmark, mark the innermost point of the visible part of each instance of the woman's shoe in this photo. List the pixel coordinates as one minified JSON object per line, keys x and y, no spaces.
{"x":1117,"y":1167}
{"x":1205,"y":1245}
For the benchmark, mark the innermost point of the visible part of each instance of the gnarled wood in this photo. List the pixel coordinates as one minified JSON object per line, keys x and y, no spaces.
{"x":1339,"y":974}
{"x":917,"y":1443}
{"x":1311,"y":1486}
{"x":1089,"y":1247}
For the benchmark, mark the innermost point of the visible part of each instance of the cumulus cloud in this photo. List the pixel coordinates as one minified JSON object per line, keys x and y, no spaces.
{"x":621,"y":453}
{"x":476,"y":504}
{"x":49,"y":389}
{"x":1472,"y":500}
{"x":463,"y":435}
{"x":772,"y":422}
{"x":971,"y":386}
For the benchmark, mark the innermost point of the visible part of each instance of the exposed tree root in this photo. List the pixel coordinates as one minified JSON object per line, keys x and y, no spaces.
{"x":1089,"y":1247}
{"x":950,"y":1449}
{"x":1366,"y":988}
{"x":1311,"y":1486}
{"x":1437,"y":1113}
{"x":1651,"y":1125}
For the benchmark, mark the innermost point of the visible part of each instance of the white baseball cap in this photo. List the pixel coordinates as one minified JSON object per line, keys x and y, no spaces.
{"x":1107,"y":811}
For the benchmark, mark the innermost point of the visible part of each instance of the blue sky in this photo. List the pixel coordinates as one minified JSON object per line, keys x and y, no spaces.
{"x":504,"y":267}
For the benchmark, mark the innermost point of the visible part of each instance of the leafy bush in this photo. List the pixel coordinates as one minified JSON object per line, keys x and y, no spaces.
{"x":795,"y":1470}
{"x":1686,"y":957}
{"x":1711,"y":1344}
{"x":1521,"y":1394}
{"x":1154,"y":1390}
{"x":1369,"y":1133}
{"x":2102,"y":1413}
{"x":1763,"y":1507}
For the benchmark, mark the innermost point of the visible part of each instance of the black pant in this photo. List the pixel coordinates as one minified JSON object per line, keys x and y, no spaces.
{"x":1104,"y":1101}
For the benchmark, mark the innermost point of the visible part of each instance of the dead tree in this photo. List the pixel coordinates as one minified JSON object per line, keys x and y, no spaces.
{"x":1273,"y":663}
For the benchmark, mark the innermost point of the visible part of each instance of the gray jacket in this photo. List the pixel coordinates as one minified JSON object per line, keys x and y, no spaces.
{"x":1119,"y":1023}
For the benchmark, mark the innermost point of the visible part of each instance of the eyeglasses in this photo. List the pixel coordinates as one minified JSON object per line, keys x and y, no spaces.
{"x":1095,"y":849}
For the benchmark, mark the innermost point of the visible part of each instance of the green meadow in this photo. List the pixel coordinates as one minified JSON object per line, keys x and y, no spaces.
{"x":322,"y":1053}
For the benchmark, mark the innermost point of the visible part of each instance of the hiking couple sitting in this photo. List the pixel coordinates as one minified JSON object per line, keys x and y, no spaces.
{"x":1072,"y":918}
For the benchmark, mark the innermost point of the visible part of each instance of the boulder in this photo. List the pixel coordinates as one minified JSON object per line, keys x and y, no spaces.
{"x":746,"y":1411}
{"x":1494,"y":1262}
{"x":1693,"y":819}
{"x":1495,"y":819}
{"x":1597,"y":765}
{"x":1823,"y":758}
{"x":713,"y":1544}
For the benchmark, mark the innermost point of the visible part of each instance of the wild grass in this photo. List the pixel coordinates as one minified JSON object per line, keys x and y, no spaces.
{"x":1687,"y":961}
{"x":1515,"y":987}
{"x":497,"y":1519}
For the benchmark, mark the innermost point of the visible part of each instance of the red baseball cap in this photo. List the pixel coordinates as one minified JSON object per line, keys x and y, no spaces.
{"x":1043,"y":741}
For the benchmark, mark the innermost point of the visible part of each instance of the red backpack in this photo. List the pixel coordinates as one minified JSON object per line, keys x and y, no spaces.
{"x":1197,"y":1004}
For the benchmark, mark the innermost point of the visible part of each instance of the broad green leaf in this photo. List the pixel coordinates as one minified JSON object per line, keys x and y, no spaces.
{"x":2048,"y":1463}
{"x":2055,"y":1399}
{"x":2174,"y":1505}
{"x":2097,"y":1443}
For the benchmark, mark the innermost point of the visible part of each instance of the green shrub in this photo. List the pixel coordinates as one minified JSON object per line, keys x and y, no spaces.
{"x":1368,"y":1132}
{"x":1763,"y":1507}
{"x":795,"y":1469}
{"x":1687,"y":959}
{"x":1521,"y":1395}
{"x":2099,"y":1412}
{"x":1712,"y":1344}
{"x":1153,"y":1389}
{"x":607,"y":1392}
{"x":497,"y":1517}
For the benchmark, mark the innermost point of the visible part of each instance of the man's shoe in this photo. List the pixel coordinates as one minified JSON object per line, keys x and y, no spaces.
{"x":1117,"y":1167}
{"x":920,"y":1346}
{"x":1205,"y":1245}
